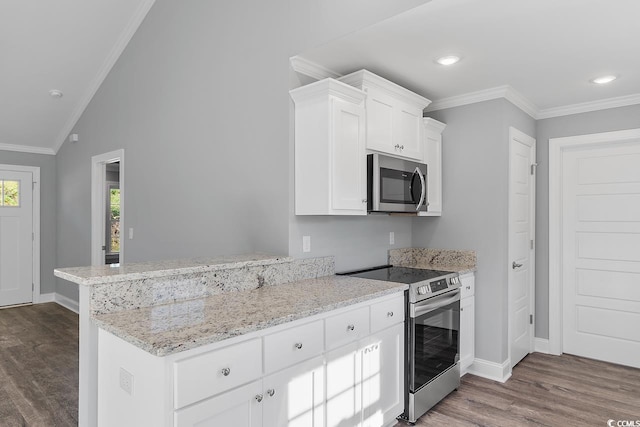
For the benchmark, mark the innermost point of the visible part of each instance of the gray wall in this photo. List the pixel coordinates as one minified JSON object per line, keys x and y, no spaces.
{"x":48,"y":199}
{"x":201,"y":91}
{"x":577,"y":124}
{"x":475,"y":155}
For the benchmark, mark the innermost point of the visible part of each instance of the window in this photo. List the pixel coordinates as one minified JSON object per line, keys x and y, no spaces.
{"x":113,"y":219}
{"x":9,"y":193}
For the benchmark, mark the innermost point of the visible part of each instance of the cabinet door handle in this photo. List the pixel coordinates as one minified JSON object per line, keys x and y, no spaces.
{"x":390,"y":314}
{"x":271,"y":392}
{"x":402,"y":147}
{"x":364,"y":200}
{"x":461,"y":308}
{"x":298,"y":345}
{"x":515,"y":265}
{"x":226,"y":372}
{"x":259,"y":397}
{"x":351,"y":327}
{"x":469,"y":287}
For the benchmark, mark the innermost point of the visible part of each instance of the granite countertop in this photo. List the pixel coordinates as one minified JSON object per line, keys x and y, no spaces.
{"x":96,"y":275}
{"x":460,"y":269}
{"x":167,"y":329}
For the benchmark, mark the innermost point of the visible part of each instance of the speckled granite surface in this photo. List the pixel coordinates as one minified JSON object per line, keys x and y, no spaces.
{"x":147,"y":292}
{"x":95,"y":275}
{"x":436,"y":259}
{"x":171,"y":328}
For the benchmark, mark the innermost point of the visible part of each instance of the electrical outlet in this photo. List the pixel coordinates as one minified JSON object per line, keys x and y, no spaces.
{"x":306,"y":243}
{"x":392,"y":238}
{"x":126,"y":381}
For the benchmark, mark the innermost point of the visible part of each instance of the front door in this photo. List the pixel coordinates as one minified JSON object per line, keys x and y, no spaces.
{"x":521,"y":231}
{"x":16,"y":237}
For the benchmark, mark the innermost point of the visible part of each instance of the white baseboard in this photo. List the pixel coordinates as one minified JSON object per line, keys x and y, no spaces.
{"x":541,"y":345}
{"x":59,"y":299}
{"x":491,"y":370}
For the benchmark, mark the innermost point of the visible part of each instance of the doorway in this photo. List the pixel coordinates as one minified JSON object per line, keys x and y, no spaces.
{"x":594,"y":241}
{"x":107,"y":208}
{"x":521,"y":262}
{"x":19,"y":235}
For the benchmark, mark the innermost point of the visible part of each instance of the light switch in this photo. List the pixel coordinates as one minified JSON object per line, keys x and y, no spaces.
{"x":392,"y":238}
{"x":130,"y":233}
{"x":306,"y":243}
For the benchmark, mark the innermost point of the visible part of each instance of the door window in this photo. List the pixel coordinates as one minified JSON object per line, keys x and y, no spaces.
{"x":9,"y":193}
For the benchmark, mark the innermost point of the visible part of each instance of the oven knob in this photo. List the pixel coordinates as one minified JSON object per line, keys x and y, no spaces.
{"x":422,"y":290}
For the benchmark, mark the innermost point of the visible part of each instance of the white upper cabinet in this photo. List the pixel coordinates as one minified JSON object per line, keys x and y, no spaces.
{"x":330,"y":161}
{"x":393,"y":116}
{"x":433,"y":158}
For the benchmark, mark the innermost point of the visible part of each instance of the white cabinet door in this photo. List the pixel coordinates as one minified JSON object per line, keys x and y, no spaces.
{"x":408,"y":132}
{"x":383,"y":376}
{"x":295,"y":397}
{"x":433,"y":158}
{"x":380,"y":119}
{"x":344,"y":387}
{"x":241,"y":407}
{"x":348,"y":166}
{"x":467,"y":333}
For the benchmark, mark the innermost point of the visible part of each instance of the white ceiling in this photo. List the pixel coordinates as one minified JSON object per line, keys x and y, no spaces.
{"x":68,"y":45}
{"x":540,"y":53}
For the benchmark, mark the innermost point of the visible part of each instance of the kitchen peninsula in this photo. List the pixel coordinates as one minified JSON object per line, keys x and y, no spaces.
{"x":176,"y":343}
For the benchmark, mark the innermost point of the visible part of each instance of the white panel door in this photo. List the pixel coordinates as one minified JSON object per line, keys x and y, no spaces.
{"x":601,"y":252}
{"x":521,"y":232}
{"x":16,"y":244}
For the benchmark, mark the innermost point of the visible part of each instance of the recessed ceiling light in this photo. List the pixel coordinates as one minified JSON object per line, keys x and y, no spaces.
{"x":448,"y":60}
{"x":55,"y":93}
{"x":603,"y":80}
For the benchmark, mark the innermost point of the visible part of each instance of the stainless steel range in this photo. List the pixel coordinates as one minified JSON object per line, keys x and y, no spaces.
{"x":432,"y":364}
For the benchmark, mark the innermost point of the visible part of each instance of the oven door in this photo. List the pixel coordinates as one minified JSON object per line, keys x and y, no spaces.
{"x":434,"y":326}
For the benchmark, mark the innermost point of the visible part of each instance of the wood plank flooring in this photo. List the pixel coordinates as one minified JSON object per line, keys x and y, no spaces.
{"x":39,"y":383}
{"x":544,"y":390}
{"x":38,"y":366}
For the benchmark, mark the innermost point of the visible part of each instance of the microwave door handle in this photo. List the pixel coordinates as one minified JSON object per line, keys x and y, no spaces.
{"x":424,"y":187}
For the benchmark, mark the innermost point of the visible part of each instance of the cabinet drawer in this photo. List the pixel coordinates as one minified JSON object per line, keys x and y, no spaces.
{"x":468,"y":282}
{"x":293,"y":345}
{"x":347,"y":327}
{"x":387,"y":313}
{"x":211,"y":373}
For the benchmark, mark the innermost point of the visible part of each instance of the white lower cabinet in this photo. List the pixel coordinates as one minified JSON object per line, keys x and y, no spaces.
{"x":295,"y":397}
{"x":467,"y":322}
{"x":382,"y":377}
{"x":365,"y":381}
{"x":239,"y":408}
{"x":341,"y":369}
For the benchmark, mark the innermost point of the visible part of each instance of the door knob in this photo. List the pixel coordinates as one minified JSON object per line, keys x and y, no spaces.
{"x":515,"y":265}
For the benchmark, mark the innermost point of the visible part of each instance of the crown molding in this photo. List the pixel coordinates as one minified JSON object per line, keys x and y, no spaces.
{"x":27,"y":149}
{"x":517,"y":99}
{"x":116,"y":51}
{"x":585,"y":107}
{"x":468,"y":98}
{"x":311,"y":69}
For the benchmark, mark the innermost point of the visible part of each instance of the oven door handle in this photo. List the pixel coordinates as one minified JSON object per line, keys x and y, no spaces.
{"x":434,"y":303}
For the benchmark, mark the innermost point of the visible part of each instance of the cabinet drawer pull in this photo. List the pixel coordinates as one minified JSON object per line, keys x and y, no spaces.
{"x":226,"y":372}
{"x":298,"y":345}
{"x":259,"y":397}
{"x":351,"y":327}
{"x":390,"y":314}
{"x":468,"y":287}
{"x":271,"y":392}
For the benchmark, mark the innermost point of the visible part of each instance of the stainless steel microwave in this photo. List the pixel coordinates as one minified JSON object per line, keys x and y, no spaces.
{"x":395,"y":185}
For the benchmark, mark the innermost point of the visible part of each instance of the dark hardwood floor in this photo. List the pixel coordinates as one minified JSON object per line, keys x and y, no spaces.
{"x":38,"y":366}
{"x":544,"y":390}
{"x":39,"y":383}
